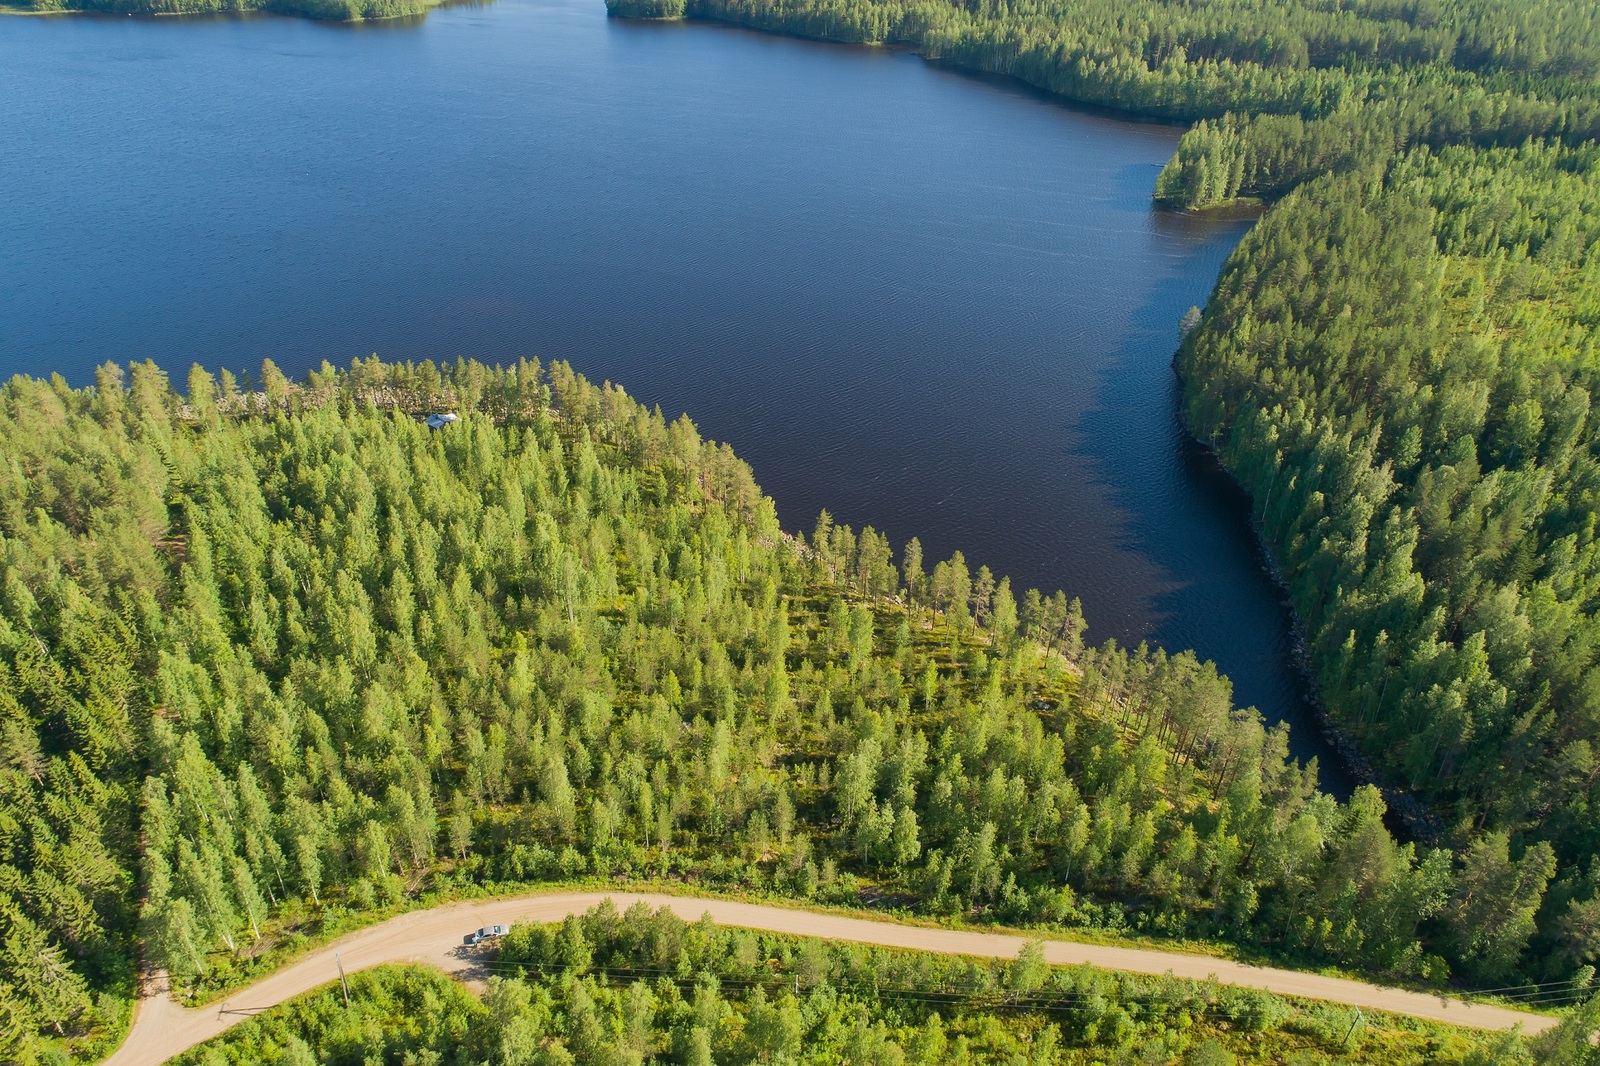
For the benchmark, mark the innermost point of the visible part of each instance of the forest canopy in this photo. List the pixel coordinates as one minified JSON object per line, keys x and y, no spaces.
{"x":1402,"y":371}
{"x":318,"y":659}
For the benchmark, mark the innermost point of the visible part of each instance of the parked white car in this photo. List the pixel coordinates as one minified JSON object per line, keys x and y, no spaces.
{"x":485,"y":933}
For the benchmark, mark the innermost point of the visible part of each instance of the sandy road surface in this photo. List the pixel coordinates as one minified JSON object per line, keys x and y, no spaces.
{"x":162,"y":1029}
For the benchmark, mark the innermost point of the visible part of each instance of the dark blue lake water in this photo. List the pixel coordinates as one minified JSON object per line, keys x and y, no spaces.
{"x":939,"y":305}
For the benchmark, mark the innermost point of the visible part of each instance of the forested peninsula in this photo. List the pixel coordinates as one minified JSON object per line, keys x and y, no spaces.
{"x":1398,"y":363}
{"x":274,"y":658}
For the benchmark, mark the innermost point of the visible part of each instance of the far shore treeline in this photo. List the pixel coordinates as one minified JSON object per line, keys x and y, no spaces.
{"x":1282,"y":90}
{"x":328,"y":10}
{"x":271,"y":660}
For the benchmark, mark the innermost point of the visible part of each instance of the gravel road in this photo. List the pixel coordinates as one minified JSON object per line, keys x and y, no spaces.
{"x":162,"y":1029}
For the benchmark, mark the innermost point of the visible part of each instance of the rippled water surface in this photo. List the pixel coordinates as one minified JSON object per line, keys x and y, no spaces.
{"x":934,"y":304}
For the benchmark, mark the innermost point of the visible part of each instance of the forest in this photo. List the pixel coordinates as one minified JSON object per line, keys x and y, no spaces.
{"x":635,"y":987}
{"x":1400,"y":366}
{"x":274,"y":655}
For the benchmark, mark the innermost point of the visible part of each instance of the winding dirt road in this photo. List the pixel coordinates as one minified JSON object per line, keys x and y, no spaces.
{"x":162,"y":1029}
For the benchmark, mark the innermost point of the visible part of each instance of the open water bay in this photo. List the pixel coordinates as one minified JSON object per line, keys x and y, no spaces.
{"x":939,"y":305}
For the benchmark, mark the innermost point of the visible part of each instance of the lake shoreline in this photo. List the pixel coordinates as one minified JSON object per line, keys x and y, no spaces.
{"x":955,"y":254}
{"x":1408,"y":817}
{"x":1407,"y":814}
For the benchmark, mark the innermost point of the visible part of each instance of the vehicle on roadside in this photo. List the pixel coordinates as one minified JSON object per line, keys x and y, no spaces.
{"x":488,"y":932}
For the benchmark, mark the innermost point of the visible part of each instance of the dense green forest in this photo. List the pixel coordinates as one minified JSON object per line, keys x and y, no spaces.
{"x":332,"y":10}
{"x":1401,"y":367}
{"x":270,"y":657}
{"x":611,"y":988}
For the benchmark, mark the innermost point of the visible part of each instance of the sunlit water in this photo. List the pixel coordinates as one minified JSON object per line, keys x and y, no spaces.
{"x":939,"y":305}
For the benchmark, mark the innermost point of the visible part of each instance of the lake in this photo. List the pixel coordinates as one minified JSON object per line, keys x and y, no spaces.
{"x":936,"y":304}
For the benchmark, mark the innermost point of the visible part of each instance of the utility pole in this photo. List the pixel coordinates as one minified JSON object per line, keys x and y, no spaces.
{"x":1355,"y":1022}
{"x":346,"y":984}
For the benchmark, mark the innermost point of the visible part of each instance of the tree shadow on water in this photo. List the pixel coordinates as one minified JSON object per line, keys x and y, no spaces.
{"x":1186,"y":515}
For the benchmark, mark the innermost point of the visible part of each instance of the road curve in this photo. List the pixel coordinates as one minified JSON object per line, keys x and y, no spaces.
{"x":162,"y":1029}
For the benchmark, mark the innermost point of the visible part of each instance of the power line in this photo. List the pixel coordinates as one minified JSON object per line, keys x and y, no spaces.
{"x":1525,"y":984}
